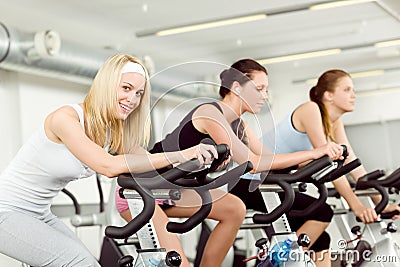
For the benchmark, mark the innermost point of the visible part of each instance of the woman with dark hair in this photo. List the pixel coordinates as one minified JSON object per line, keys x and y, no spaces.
{"x":243,"y":89}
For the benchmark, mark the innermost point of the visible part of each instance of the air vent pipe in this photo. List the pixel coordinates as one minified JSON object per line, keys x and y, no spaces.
{"x":43,"y":53}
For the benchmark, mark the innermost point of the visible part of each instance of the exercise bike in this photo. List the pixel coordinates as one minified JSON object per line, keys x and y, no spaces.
{"x":283,"y":247}
{"x":318,"y":172}
{"x":371,"y":244}
{"x":141,"y":203}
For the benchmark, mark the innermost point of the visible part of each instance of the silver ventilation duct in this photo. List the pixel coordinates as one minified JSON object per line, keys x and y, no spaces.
{"x":43,"y":53}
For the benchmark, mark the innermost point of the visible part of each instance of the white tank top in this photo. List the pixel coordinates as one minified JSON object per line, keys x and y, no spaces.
{"x":38,"y":172}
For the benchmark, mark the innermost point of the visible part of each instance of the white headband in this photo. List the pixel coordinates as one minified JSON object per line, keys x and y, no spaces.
{"x":133,"y":67}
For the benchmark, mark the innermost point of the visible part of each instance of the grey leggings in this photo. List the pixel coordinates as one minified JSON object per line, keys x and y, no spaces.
{"x":42,"y":242}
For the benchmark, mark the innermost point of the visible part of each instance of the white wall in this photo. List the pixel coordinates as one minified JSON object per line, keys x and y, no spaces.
{"x":25,"y":100}
{"x":10,"y":120}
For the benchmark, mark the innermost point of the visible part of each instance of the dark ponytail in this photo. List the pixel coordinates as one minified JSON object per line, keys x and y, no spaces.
{"x":313,"y":94}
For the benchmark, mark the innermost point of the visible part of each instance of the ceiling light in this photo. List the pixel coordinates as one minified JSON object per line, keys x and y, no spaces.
{"x":339,"y":4}
{"x":387,"y":43}
{"x":367,"y":73}
{"x":327,"y":52}
{"x":299,"y":56}
{"x":245,"y":18}
{"x":353,"y":75}
{"x":374,"y":92}
{"x":202,"y":26}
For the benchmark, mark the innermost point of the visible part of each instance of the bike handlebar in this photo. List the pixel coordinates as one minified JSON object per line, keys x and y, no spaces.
{"x":333,"y":172}
{"x":323,"y":191}
{"x":371,"y":180}
{"x":171,"y":180}
{"x":306,"y":174}
{"x":195,"y":219}
{"x":139,"y":221}
{"x":284,"y":181}
{"x":203,"y":191}
{"x":341,"y":171}
{"x":287,"y":203}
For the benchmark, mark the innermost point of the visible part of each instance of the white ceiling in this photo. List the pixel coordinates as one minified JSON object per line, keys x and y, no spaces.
{"x":114,"y":24}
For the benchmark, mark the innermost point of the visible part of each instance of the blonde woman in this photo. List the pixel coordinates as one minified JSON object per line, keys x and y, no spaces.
{"x":107,"y":134}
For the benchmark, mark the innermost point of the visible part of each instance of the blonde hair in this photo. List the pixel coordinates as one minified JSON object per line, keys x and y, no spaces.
{"x":100,"y":107}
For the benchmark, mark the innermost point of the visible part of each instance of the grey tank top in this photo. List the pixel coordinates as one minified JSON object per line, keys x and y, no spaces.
{"x":287,"y":138}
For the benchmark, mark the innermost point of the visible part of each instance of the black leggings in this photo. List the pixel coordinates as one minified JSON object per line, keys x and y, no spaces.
{"x":253,"y":200}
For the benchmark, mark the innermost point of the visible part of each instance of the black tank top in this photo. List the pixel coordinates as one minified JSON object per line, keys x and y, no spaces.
{"x":184,"y":136}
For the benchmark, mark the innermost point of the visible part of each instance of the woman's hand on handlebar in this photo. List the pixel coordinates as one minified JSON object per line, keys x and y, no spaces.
{"x":391,"y":208}
{"x":366,"y":214}
{"x":203,"y":152}
{"x":333,"y":150}
{"x":224,"y":164}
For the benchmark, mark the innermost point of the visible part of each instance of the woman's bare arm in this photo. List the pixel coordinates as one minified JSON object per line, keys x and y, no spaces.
{"x":63,"y":126}
{"x":208,"y":119}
